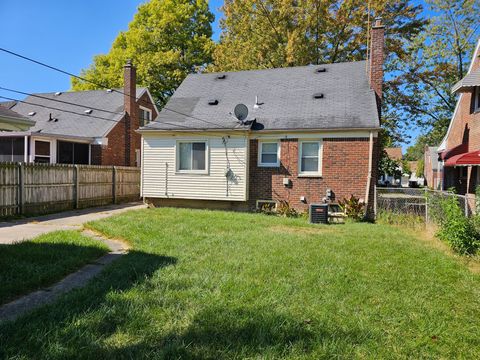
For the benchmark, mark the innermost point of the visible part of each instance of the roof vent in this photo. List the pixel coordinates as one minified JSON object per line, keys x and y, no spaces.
{"x":213,"y":102}
{"x":321,"y":70}
{"x":58,"y":93}
{"x":318,"y":96}
{"x":88,"y":111}
{"x":109,"y":90}
{"x":222,"y":77}
{"x":31,"y":113}
{"x":55,"y":120}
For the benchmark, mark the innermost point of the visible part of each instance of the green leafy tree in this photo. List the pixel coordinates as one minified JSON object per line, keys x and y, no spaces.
{"x":260,"y":34}
{"x":389,"y":166}
{"x":166,"y":40}
{"x":420,"y":168}
{"x":435,"y":60}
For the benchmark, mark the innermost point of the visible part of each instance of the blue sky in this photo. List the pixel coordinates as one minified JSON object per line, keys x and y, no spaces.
{"x":62,"y":33}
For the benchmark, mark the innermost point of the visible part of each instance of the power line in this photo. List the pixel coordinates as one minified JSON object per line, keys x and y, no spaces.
{"x":99,"y":84}
{"x":59,"y":101}
{"x":179,"y":127}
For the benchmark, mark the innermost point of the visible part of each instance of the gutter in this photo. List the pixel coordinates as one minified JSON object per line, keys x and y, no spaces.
{"x":369,"y":178}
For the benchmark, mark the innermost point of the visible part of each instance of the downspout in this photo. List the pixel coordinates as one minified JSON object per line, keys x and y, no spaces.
{"x":369,"y":178}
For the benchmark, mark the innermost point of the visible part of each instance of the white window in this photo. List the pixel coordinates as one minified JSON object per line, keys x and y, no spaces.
{"x":476,"y":106}
{"x":192,"y":156}
{"x":310,"y":158}
{"x":269,"y":154}
{"x":145,"y":116}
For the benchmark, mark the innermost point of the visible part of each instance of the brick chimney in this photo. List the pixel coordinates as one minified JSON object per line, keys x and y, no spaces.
{"x":131,"y":121}
{"x":375,"y":68}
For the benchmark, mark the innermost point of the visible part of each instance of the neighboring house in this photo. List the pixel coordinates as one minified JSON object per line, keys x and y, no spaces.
{"x":460,"y":149}
{"x":12,"y":121}
{"x":95,"y":127}
{"x":413,"y":179}
{"x":311,"y":134}
{"x":433,"y":171}
{"x":394,"y":153}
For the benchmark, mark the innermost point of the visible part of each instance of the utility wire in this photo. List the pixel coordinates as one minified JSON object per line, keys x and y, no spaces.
{"x":59,"y":101}
{"x":99,"y":84}
{"x":179,"y":127}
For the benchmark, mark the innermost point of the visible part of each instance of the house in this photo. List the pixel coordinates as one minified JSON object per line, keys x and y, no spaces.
{"x":432,"y":172}
{"x":415,"y":180}
{"x":394,"y":153}
{"x":460,"y":148}
{"x":95,"y":127}
{"x":310,"y":135}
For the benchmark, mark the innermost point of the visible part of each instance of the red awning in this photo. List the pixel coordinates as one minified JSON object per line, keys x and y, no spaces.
{"x":465,"y":159}
{"x":457,"y":150}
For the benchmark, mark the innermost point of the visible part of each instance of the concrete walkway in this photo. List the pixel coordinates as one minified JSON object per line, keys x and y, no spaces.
{"x":78,"y":279}
{"x":21,"y":230}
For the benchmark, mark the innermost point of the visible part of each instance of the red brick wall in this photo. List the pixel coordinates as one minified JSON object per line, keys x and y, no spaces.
{"x":114,"y":152}
{"x":344,"y":170}
{"x":376,"y":61}
{"x":465,"y":129}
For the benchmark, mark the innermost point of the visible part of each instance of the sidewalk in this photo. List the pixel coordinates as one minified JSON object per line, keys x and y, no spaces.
{"x":26,"y":229}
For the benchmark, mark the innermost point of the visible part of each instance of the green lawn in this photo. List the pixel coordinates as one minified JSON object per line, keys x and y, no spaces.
{"x":214,"y":285}
{"x":29,"y":265}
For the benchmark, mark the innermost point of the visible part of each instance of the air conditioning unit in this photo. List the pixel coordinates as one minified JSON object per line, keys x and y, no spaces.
{"x":318,"y":213}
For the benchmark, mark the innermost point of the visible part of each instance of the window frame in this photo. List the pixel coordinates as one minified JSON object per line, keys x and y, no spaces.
{"x":141,"y":120}
{"x":191,"y":171}
{"x":260,"y":148}
{"x":476,"y":99}
{"x":317,"y":173}
{"x":51,"y":153}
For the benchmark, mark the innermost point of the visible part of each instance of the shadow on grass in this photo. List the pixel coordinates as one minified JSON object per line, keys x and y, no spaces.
{"x":218,"y":333}
{"x":29,"y":266}
{"x":52,"y":328}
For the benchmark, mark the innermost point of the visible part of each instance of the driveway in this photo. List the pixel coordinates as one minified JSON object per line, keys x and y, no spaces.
{"x":21,"y":230}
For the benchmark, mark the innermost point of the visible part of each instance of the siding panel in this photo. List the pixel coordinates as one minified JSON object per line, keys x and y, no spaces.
{"x":161,"y":180}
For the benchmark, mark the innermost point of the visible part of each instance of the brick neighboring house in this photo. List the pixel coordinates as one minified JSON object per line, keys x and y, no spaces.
{"x":433,"y":172}
{"x":95,"y":127}
{"x":460,"y":149}
{"x":310,"y":135}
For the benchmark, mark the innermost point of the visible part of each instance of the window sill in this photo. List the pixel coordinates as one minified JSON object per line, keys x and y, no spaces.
{"x":309,"y":175}
{"x":269,"y":165}
{"x":188,"y":172}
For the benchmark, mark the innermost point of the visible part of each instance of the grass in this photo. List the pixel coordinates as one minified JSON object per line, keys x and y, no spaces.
{"x":30,"y":265}
{"x":213,"y":285}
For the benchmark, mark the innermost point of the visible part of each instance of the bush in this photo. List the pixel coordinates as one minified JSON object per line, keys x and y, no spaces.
{"x":456,"y":229}
{"x":285,"y":209}
{"x":352,"y":207}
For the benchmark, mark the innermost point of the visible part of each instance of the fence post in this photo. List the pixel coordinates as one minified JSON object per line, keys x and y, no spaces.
{"x":114,"y":184}
{"x":465,"y":200}
{"x":76,"y":186}
{"x":21,"y":188}
{"x":375,"y":201}
{"x":426,"y":207}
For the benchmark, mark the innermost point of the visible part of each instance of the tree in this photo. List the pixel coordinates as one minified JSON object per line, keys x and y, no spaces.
{"x":260,"y":34}
{"x":435,"y":60}
{"x":388,"y":166}
{"x":166,"y":40}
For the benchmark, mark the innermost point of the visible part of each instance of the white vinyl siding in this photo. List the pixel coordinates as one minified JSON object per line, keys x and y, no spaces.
{"x":269,"y":154}
{"x":310,"y":158}
{"x":161,"y":179}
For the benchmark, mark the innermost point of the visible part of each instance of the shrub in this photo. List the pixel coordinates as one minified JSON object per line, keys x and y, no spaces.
{"x":456,"y":229}
{"x":285,"y":209}
{"x":352,"y":207}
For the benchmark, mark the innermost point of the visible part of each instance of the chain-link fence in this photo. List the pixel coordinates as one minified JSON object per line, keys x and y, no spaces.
{"x":424,"y":204}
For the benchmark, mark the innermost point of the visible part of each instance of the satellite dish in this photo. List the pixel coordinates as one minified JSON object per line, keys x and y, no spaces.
{"x":241,"y":112}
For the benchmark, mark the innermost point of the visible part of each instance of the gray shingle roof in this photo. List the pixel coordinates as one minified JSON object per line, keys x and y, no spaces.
{"x":286,"y":96}
{"x":5,"y":112}
{"x":468,"y":82}
{"x":69,"y":124}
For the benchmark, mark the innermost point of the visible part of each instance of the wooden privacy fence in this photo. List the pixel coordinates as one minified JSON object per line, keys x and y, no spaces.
{"x":35,"y":189}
